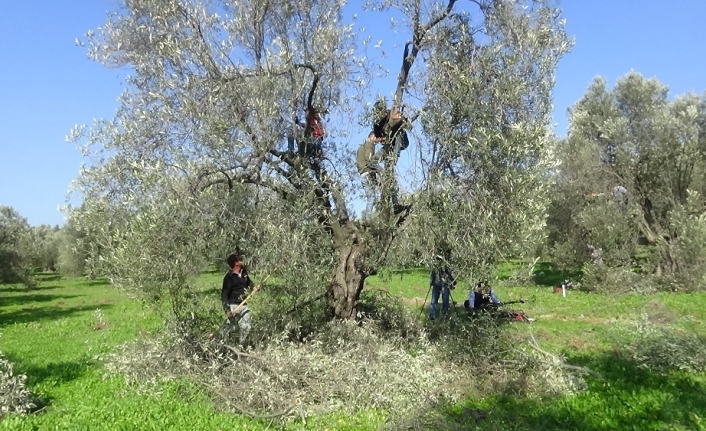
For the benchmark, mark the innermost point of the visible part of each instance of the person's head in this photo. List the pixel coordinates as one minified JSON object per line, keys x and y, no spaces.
{"x":234,"y":261}
{"x":380,"y":110}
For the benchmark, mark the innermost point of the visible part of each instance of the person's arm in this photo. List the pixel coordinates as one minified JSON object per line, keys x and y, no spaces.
{"x":452,"y":278}
{"x":472,"y":299}
{"x":296,"y":121}
{"x":251,"y":285}
{"x":225,"y":293}
{"x":431,"y":279}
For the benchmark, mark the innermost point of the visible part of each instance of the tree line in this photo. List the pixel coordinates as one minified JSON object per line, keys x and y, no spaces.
{"x":25,"y":249}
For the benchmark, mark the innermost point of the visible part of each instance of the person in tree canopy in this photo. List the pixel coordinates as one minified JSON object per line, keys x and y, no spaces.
{"x":313,"y":133}
{"x":368,"y":162}
{"x":235,"y":282}
{"x":388,"y":128}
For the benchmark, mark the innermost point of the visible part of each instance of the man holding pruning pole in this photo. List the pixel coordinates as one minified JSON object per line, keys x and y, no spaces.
{"x":233,"y":297}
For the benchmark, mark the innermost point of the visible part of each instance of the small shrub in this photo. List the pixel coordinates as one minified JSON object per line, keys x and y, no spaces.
{"x":540,"y":375}
{"x":605,"y":279}
{"x":660,"y":348}
{"x":15,"y":398}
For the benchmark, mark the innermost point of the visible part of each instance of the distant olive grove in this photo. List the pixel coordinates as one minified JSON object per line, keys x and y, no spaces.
{"x":26,"y":249}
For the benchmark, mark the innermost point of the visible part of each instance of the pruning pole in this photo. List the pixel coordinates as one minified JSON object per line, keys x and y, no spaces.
{"x":253,"y":292}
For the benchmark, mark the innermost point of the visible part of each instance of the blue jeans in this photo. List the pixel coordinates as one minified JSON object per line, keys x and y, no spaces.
{"x":435,"y":292}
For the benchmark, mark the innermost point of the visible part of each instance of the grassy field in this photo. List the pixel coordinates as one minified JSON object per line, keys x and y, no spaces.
{"x":53,"y":334}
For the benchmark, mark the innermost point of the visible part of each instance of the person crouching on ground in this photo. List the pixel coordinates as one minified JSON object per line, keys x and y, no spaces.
{"x":482,"y":296}
{"x":235,"y":282}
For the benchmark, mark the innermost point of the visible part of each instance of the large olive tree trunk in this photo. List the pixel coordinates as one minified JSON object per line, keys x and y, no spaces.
{"x":347,"y":283}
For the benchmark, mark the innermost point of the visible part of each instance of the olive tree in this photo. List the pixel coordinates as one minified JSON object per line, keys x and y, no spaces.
{"x":196,"y":161}
{"x":17,"y":253}
{"x":630,"y":162}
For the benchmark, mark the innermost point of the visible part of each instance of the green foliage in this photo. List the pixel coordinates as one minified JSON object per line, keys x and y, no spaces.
{"x":46,"y":244}
{"x":15,"y":398}
{"x":688,"y":249}
{"x":78,"y":252}
{"x":660,"y":348}
{"x":615,"y":280}
{"x":17,"y":254}
{"x":628,"y":166}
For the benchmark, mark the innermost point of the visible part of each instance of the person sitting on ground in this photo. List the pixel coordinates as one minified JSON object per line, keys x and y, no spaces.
{"x":235,"y":282}
{"x":481,"y":297}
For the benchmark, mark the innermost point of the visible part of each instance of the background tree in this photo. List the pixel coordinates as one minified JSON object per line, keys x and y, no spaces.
{"x":629,"y":164}
{"x":195,"y":162}
{"x":46,"y":243}
{"x":16,"y":248}
{"x":487,"y":146}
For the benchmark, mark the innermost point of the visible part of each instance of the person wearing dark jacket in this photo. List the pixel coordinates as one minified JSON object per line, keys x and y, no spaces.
{"x":481,"y":297}
{"x":441,"y":282}
{"x":235,"y":282}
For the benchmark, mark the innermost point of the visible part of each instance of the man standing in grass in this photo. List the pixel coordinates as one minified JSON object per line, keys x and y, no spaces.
{"x":441,"y":282}
{"x":235,"y":282}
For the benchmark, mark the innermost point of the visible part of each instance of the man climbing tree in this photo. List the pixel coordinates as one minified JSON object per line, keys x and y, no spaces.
{"x":368,"y":162}
{"x":312,"y":144}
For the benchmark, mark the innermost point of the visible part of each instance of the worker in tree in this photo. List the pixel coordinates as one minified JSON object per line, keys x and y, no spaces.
{"x":311,"y":145}
{"x":388,"y":127}
{"x":369,"y":168}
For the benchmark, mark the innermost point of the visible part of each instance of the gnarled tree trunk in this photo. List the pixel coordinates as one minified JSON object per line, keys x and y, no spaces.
{"x":347,"y":283}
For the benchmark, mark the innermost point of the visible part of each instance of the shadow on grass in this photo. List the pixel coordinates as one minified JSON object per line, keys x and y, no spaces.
{"x":32,"y":298}
{"x":54,"y":373}
{"x":547,"y":274}
{"x":57,"y":373}
{"x":27,"y":314}
{"x":93,"y":283}
{"x":628,"y":397}
{"x":9,"y":288}
{"x":44,"y":277}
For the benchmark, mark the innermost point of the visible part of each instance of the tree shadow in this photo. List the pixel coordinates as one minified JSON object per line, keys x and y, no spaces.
{"x":27,"y":314}
{"x":626,"y":397}
{"x":49,"y":277}
{"x":57,"y":373}
{"x":23,"y":289}
{"x":32,"y":298}
{"x":547,"y":274}
{"x":93,"y":283}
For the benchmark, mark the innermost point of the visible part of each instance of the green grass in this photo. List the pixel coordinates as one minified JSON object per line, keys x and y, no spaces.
{"x":53,"y":333}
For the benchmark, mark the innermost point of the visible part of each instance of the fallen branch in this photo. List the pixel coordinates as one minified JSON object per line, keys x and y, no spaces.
{"x":535,"y":345}
{"x":241,"y":353}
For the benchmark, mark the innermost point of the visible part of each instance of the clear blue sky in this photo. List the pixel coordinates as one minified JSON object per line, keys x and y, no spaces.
{"x":47,"y":84}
